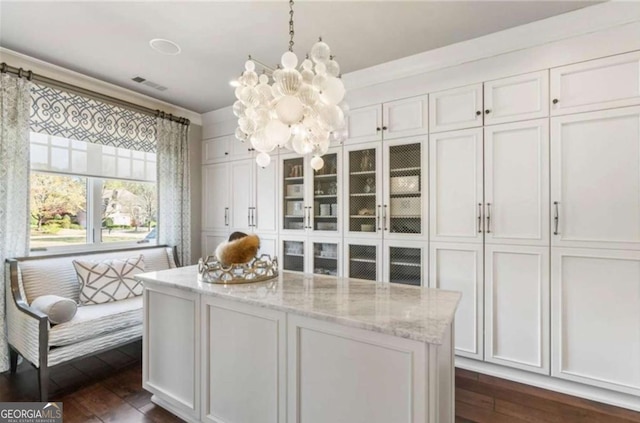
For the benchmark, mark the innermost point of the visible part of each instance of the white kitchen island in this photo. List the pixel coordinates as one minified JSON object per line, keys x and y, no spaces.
{"x":298,"y":349}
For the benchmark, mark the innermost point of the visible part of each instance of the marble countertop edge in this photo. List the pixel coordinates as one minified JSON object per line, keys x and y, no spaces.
{"x":428,"y":329}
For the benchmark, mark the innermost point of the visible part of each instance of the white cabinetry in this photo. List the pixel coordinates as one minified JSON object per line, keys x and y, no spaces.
{"x":488,"y":198}
{"x":520,"y":97}
{"x":516,"y":183}
{"x":240,"y":189}
{"x":517,"y":306}
{"x":597,"y":84}
{"x":596,"y":317}
{"x":458,"y":108}
{"x":395,"y":119}
{"x":459,"y":267}
{"x":516,"y":98}
{"x":386,"y":198}
{"x":595,"y":179}
{"x":166,"y":336}
{"x":216,"y":149}
{"x":258,"y":346}
{"x":215,"y":197}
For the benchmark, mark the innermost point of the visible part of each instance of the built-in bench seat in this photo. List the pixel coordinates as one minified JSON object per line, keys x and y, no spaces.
{"x":94,"y":328}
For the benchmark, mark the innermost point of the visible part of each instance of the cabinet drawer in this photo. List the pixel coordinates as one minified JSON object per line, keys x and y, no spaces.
{"x":596,"y":84}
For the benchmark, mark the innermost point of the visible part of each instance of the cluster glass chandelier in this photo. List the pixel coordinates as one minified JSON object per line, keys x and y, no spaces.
{"x":296,"y":107}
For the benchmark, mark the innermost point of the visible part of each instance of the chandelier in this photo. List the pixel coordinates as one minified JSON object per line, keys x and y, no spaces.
{"x":295,"y":107}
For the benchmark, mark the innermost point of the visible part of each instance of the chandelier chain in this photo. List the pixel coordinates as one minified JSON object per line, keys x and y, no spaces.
{"x":291,"y":31}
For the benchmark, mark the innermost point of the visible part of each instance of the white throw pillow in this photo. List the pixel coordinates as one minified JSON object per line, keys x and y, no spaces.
{"x":109,"y":280}
{"x":58,"y":309}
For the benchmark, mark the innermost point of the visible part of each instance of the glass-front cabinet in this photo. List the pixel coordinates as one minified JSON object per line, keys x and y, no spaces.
{"x":311,"y":198}
{"x":405,"y":188}
{"x":319,"y":256}
{"x":362,"y":259}
{"x":387,"y":189}
{"x":294,"y":214}
{"x":325,"y":258}
{"x":363,"y":212}
{"x":293,"y":255}
{"x":406,"y":262}
{"x":326,"y":192}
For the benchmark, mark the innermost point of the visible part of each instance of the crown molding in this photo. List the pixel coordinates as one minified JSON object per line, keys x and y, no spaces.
{"x":568,"y":25}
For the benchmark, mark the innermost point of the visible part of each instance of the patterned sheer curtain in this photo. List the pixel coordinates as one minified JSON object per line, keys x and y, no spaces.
{"x":15,"y":105}
{"x":174,"y":223}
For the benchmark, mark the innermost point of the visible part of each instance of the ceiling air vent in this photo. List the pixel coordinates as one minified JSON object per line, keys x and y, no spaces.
{"x":153,"y":85}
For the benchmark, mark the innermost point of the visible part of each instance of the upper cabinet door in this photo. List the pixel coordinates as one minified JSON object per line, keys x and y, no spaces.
{"x":239,"y":150}
{"x":596,"y":84}
{"x":595,"y":179}
{"x":406,"y":117}
{"x":240,"y":194}
{"x":516,"y":188}
{"x":215,"y":150}
{"x":264,"y":216}
{"x":405,"y":188}
{"x":455,"y":186}
{"x":456,"y":109}
{"x":520,"y":97}
{"x":364,"y":124}
{"x":215,"y":197}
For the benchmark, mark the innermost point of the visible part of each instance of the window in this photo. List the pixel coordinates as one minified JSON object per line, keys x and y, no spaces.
{"x":90,"y":194}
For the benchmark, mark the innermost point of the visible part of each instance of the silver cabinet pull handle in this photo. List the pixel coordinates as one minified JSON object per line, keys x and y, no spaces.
{"x":488,"y":218}
{"x":385,"y":218}
{"x":226,"y":216}
{"x":556,"y":218}
{"x":479,"y":218}
{"x":378,"y":217}
{"x":310,"y":214}
{"x":249,"y":216}
{"x":253,"y":217}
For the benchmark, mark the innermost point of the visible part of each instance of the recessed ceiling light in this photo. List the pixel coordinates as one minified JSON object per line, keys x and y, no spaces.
{"x":165,"y":46}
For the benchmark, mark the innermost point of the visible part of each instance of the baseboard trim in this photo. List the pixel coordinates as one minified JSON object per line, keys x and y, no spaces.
{"x":592,"y":393}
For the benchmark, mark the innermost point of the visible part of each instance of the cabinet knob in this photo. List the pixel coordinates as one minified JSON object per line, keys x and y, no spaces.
{"x":487,"y":111}
{"x":384,"y":128}
{"x":378,"y":129}
{"x":555,"y":101}
{"x":478,"y":113}
{"x":226,"y":153}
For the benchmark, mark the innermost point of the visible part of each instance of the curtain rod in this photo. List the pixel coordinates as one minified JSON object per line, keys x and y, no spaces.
{"x":21,"y":73}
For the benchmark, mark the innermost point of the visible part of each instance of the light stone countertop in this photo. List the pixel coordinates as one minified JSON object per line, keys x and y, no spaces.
{"x":420,"y":314}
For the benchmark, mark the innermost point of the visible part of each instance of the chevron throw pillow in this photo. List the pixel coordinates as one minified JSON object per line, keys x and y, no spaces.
{"x":109,"y":280}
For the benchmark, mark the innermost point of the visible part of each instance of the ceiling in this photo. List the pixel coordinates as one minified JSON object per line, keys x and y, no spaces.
{"x":110,"y":40}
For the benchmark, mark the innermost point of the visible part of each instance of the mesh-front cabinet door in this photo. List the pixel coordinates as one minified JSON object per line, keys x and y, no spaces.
{"x":325,"y":258}
{"x":363,"y":213}
{"x":326,"y":194}
{"x":293,"y":255}
{"x":405,"y":188}
{"x":406,"y":262}
{"x":363,"y":260}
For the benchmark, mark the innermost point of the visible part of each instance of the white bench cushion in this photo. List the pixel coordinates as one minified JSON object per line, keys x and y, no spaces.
{"x":95,"y":320}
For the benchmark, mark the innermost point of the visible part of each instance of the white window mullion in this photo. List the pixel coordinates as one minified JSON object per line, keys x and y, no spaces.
{"x":94,"y":201}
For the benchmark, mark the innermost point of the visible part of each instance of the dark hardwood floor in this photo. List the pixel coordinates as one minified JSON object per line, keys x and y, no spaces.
{"x":103,"y":388}
{"x":108,"y":388}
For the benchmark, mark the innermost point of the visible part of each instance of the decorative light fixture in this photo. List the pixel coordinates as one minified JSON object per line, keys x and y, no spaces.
{"x":298,"y":108}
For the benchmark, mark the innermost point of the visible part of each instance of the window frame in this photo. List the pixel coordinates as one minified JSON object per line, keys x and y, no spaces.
{"x":93,"y":241}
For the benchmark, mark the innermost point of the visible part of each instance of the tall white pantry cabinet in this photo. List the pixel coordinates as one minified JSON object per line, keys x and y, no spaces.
{"x":521,"y":192}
